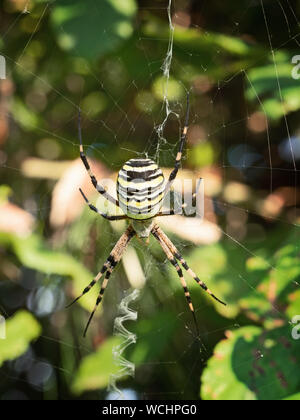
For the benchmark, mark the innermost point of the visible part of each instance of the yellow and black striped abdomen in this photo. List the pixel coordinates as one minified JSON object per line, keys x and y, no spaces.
{"x":140,"y":188}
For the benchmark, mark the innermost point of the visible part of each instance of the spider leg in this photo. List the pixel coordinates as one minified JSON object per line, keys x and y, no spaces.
{"x":180,"y":275}
{"x":166,"y":213}
{"x":108,"y":268}
{"x":181,"y":211}
{"x":106,"y":216}
{"x":83,"y":157}
{"x":182,"y":143}
{"x":164,"y":238}
{"x":100,"y":297}
{"x":92,"y":284}
{"x":115,"y":256}
{"x":171,"y":212}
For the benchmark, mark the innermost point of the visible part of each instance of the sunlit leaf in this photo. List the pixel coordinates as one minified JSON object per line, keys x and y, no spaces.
{"x":253,"y":364}
{"x":295,"y":397}
{"x":202,"y":48}
{"x":91,"y":29}
{"x":276,"y":86}
{"x":32,"y":253}
{"x":5,"y":193}
{"x":204,"y":154}
{"x":95,"y":370}
{"x":175,"y":91}
{"x":276,"y":292}
{"x":27,"y":119}
{"x":21,"y":329}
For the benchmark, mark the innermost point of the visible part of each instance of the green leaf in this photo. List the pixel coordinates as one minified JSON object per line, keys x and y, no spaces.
{"x":95,"y":370}
{"x":193,"y":40}
{"x":91,"y":29}
{"x":276,"y":292}
{"x":295,"y":397}
{"x":204,"y":154}
{"x":201,"y":48}
{"x":5,"y":193}
{"x":27,"y":119}
{"x":253,"y":364}
{"x":148,"y":348}
{"x":33,"y":254}
{"x":21,"y":329}
{"x":264,"y":83}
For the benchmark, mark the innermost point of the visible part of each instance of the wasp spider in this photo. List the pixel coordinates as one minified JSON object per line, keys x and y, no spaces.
{"x":141,"y":189}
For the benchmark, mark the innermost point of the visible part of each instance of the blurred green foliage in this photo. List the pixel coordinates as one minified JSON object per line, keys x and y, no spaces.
{"x":74,"y":18}
{"x":264,"y":82}
{"x":108,"y":57}
{"x":96,"y":369}
{"x":21,"y":329}
{"x":33,"y":254}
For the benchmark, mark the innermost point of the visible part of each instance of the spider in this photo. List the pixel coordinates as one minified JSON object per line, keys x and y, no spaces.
{"x":141,"y":189}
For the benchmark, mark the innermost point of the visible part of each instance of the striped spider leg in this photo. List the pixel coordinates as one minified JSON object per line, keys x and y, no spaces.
{"x":163,"y":238}
{"x":172,"y":212}
{"x":83,"y":157}
{"x":174,"y":173}
{"x":175,"y":264}
{"x":107,"y":269}
{"x":106,"y":216}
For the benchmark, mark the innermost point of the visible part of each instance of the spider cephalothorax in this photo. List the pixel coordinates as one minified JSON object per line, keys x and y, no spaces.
{"x":141,"y":189}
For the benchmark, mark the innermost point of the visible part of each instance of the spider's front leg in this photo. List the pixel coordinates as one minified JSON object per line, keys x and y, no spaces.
{"x":106,"y":216}
{"x":174,"y":173}
{"x":84,"y":159}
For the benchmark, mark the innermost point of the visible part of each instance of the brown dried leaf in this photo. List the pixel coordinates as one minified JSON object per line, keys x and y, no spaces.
{"x":15,"y":220}
{"x":67,"y":202}
{"x":192,"y":229}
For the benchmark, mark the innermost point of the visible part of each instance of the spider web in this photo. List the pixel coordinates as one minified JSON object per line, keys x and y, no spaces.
{"x":160,"y":131}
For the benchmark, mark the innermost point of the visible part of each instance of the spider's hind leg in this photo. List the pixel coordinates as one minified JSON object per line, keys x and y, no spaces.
{"x":92,"y":284}
{"x":164,"y":238}
{"x":185,"y":265}
{"x":100,"y":297}
{"x":108,"y":268}
{"x":180,"y":275}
